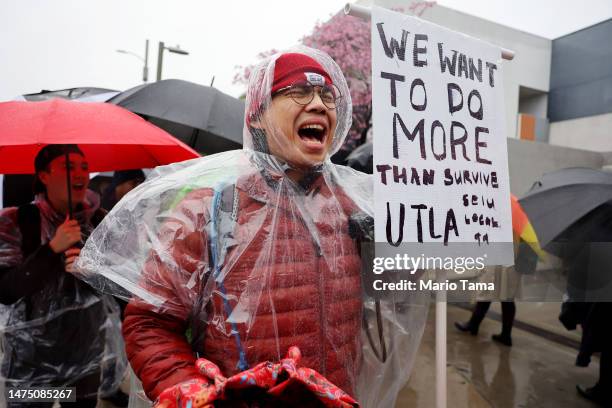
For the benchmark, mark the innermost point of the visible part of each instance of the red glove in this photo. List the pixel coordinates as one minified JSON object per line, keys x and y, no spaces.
{"x":303,"y":379}
{"x":212,"y":372}
{"x":285,"y":382}
{"x":272,"y":382}
{"x":196,"y":393}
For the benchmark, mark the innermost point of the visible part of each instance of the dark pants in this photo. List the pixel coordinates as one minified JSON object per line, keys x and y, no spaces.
{"x":605,"y":371}
{"x":508,"y":313}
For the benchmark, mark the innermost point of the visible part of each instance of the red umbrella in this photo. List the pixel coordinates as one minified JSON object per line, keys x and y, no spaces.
{"x":112,"y":138}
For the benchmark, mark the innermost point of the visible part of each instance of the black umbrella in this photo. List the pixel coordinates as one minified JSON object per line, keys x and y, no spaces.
{"x":203,"y":117}
{"x":362,"y":158}
{"x":561,"y":198}
{"x":81,"y":94}
{"x":586,"y":249}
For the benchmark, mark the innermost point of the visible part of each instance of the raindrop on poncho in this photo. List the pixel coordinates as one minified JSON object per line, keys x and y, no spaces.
{"x":239,"y":256}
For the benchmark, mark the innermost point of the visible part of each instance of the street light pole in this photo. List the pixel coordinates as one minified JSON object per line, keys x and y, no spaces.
{"x":160,"y":60}
{"x":160,"y":56}
{"x":145,"y":69}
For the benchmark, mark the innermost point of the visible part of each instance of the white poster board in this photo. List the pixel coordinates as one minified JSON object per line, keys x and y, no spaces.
{"x":440,"y":150}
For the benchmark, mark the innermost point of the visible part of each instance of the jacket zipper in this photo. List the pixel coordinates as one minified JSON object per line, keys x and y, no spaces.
{"x":321,"y":312}
{"x":321,"y":283}
{"x":312,"y":230}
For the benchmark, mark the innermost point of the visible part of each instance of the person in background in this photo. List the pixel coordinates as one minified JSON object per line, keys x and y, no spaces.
{"x":507,"y":284}
{"x":594,"y":319}
{"x":479,"y":313}
{"x":99,"y":183}
{"x":586,"y":254}
{"x":55,"y":328}
{"x":123,"y":182}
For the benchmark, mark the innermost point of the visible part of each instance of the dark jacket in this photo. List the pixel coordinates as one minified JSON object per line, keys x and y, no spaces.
{"x":594,"y":318}
{"x":586,"y":249}
{"x":51,"y":324}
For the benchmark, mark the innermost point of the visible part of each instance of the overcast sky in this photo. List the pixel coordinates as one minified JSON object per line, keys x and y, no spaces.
{"x":56,"y":44}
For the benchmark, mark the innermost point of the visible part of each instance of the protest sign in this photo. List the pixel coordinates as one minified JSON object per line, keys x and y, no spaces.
{"x":440,"y":151}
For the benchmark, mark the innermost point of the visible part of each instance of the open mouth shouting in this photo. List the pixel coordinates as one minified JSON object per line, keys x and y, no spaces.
{"x":313,"y":135}
{"x":78,"y":186}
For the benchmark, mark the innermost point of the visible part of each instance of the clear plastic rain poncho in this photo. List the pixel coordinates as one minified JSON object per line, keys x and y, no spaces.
{"x":63,"y":333}
{"x":243,"y":254}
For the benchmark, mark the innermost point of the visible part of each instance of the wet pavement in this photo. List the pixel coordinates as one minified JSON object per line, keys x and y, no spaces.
{"x":535,"y":372}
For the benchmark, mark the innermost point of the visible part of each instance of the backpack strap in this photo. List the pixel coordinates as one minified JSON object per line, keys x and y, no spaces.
{"x":28,"y":219}
{"x":224,"y":217}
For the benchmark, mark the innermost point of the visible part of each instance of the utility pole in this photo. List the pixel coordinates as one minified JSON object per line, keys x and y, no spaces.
{"x":160,"y":56}
{"x":160,"y":59}
{"x":145,"y":60}
{"x":145,"y":70}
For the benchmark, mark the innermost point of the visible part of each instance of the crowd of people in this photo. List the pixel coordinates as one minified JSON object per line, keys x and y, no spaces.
{"x":241,"y":272}
{"x":231,"y":278}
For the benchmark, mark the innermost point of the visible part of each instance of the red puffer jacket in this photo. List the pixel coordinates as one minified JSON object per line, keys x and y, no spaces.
{"x":290,"y":278}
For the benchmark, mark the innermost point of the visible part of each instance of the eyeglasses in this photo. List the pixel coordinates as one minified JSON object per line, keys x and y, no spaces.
{"x":302,"y":93}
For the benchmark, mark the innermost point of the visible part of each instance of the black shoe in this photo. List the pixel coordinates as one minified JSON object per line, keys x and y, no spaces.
{"x":466,"y":327}
{"x":595,"y":394}
{"x":118,"y":399}
{"x":505,"y":340}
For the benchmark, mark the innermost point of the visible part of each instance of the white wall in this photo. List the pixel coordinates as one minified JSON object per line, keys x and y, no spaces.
{"x":531,"y":64}
{"x":592,"y":133}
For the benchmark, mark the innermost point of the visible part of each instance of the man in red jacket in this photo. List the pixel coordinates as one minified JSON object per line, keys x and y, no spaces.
{"x":253,"y":254}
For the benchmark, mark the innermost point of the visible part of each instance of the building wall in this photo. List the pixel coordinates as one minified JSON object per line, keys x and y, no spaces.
{"x":528,"y":161}
{"x":530,"y":67}
{"x":535,"y":105}
{"x":581,"y":74}
{"x":530,"y":71}
{"x":532,"y":127}
{"x":592,"y":133}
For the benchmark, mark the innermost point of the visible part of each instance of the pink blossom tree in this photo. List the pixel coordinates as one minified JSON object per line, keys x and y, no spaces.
{"x":347,"y":40}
